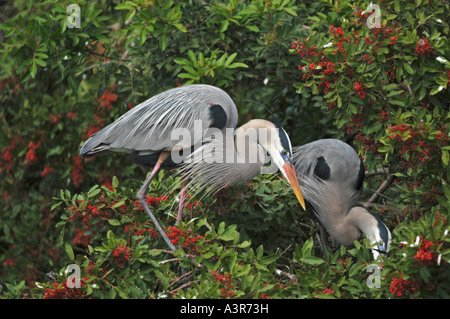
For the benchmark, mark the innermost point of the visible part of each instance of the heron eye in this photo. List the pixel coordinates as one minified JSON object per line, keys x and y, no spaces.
{"x":284,"y":152}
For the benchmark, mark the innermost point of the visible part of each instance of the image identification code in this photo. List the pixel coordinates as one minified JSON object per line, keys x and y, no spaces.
{"x":231,"y":308}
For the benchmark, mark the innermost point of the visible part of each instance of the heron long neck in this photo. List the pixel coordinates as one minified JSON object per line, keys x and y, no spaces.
{"x":331,"y":205}
{"x":342,"y":225}
{"x":223,"y":162}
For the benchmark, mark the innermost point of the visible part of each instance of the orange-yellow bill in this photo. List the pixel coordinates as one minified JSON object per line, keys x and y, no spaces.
{"x":293,"y":180}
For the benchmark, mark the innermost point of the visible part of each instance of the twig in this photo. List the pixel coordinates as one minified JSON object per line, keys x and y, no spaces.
{"x":380,"y":194}
{"x":180,"y":278}
{"x":168,"y":261}
{"x":184,"y":286}
{"x":376,"y":205}
{"x":384,"y":186}
{"x":107,"y":56}
{"x":286,"y":249}
{"x":286,"y":274}
{"x":163,"y":251}
{"x":379,"y":171}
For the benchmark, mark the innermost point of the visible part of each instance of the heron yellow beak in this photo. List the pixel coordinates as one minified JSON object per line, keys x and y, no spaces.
{"x":293,"y":180}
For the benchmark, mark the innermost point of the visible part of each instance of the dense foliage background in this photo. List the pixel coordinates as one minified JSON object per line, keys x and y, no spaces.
{"x":317,"y":64}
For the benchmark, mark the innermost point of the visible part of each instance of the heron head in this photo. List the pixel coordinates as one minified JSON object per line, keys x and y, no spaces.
{"x":374,"y":229}
{"x":275,"y":141}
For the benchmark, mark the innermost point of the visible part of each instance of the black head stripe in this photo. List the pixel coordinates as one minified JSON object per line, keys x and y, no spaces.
{"x":361,"y":173}
{"x":285,"y":143}
{"x":322,"y":169}
{"x":382,"y":229}
{"x":218,"y":116}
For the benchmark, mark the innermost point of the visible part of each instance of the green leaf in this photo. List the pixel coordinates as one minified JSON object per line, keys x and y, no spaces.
{"x":224,"y":25}
{"x":269,"y":259}
{"x":445,"y":157}
{"x":307,"y":247}
{"x":127,"y":5}
{"x":408,"y":68}
{"x":115,"y":182}
{"x":121,"y":293}
{"x":312,"y":260}
{"x":180,"y":27}
{"x":33,"y":69}
{"x":238,"y":65}
{"x":69,"y":251}
{"x":436,"y":89}
{"x":290,"y":11}
{"x":221,"y":228}
{"x":118,"y":204}
{"x":163,"y":42}
{"x":114,"y":222}
{"x":208,"y":255}
{"x":230,"y":59}
{"x":397,"y":102}
{"x":390,"y":86}
{"x":252,"y":28}
{"x":229,"y":233}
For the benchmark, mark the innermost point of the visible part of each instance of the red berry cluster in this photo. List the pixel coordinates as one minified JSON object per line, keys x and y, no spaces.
{"x":339,"y":39}
{"x":47,"y":170}
{"x":359,"y":90}
{"x":103,"y":110}
{"x":31,"y":156}
{"x":232,"y":193}
{"x":439,"y":218}
{"x":379,"y":37}
{"x":62,"y":291}
{"x":423,"y":48}
{"x":77,"y":171}
{"x":414,"y":143}
{"x":400,"y":287}
{"x":86,"y":213}
{"x":188,"y":239}
{"x":227,"y":283}
{"x":120,"y":255}
{"x":136,"y":230}
{"x":367,"y":143}
{"x":322,"y":67}
{"x":7,"y":156}
{"x":318,"y":61}
{"x":327,"y":291}
{"x":153,"y":201}
{"x":425,"y":255}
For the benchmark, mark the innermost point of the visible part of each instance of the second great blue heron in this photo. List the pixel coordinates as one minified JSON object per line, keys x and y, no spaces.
{"x":151,"y":132}
{"x":332,"y":178}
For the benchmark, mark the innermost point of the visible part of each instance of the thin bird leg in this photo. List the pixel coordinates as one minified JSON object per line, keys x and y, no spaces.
{"x":182,"y":198}
{"x":142,"y":198}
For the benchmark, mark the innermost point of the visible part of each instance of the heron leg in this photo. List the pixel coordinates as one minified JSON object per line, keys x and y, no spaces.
{"x":182,"y":198}
{"x":142,"y":198}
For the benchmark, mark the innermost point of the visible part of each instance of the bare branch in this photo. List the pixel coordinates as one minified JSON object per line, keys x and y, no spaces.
{"x":379,"y":171}
{"x":384,"y":186}
{"x":107,"y":56}
{"x":184,"y":286}
{"x":286,"y":274}
{"x":181,"y":278}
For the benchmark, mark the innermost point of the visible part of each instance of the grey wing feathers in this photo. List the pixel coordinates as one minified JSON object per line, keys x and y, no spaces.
{"x":331,"y":160}
{"x":329,"y":173}
{"x":148,"y":126}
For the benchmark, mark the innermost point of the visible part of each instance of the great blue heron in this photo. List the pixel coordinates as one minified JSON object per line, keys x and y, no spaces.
{"x":332,"y":178}
{"x":152,"y":132}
